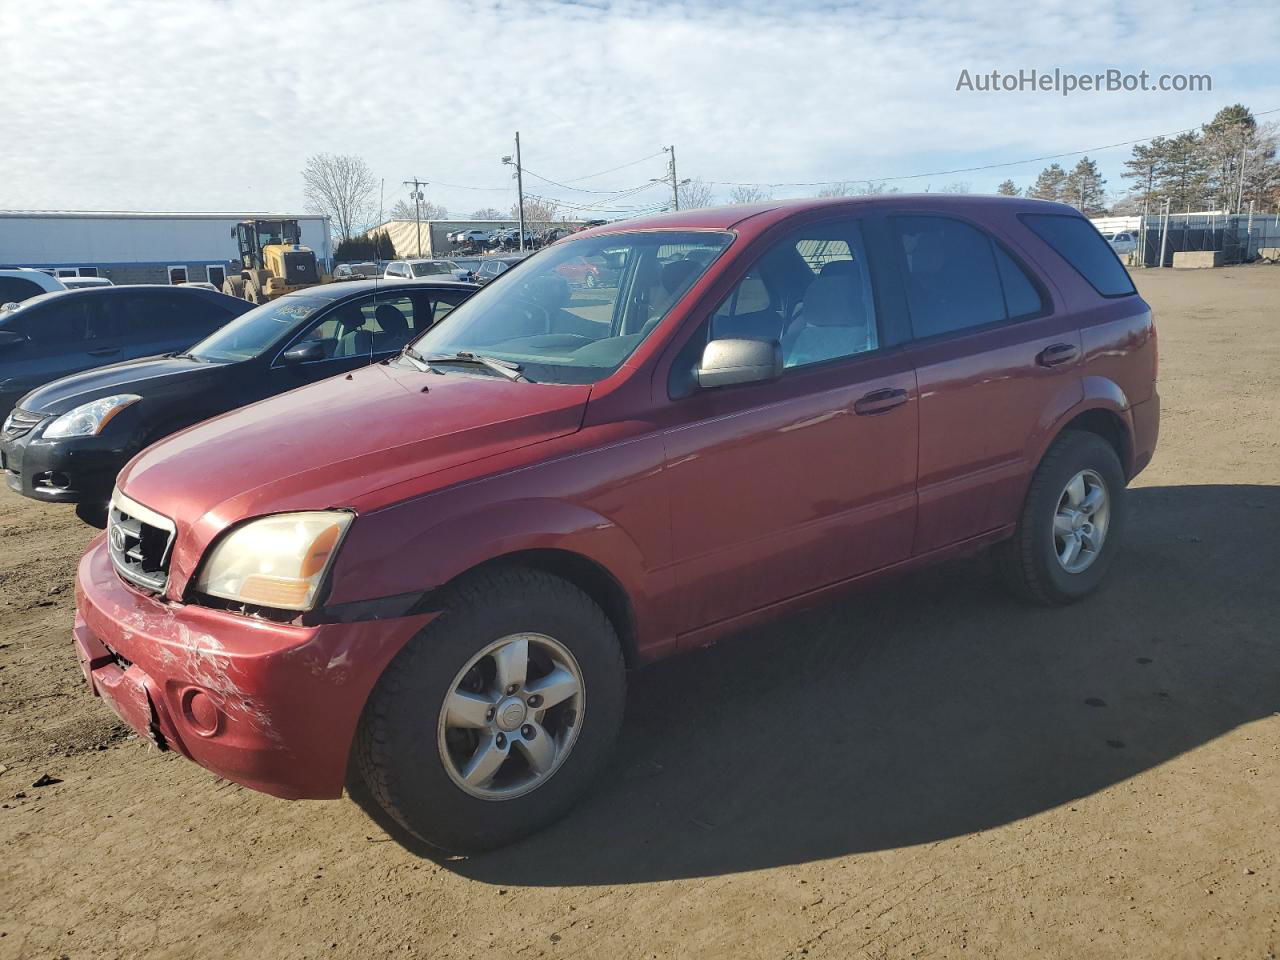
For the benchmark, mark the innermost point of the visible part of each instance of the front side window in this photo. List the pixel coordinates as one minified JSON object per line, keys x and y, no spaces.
{"x":561,"y":333}
{"x":811,"y":292}
{"x":1077,"y":241}
{"x":958,"y":278}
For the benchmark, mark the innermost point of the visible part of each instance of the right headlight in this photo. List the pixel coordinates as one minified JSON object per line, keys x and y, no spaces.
{"x":277,"y":561}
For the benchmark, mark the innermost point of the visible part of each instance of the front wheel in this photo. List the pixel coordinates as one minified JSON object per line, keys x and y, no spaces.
{"x":1071,"y":523}
{"x":494,"y":720}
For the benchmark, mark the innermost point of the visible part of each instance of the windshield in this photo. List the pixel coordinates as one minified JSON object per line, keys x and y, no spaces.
{"x":431,"y":268}
{"x":562,"y":327}
{"x":251,"y":333}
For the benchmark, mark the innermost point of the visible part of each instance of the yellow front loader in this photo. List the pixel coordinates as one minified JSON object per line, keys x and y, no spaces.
{"x":273,"y":261}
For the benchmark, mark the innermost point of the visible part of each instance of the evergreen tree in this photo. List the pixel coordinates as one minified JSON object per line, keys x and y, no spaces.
{"x":1084,"y":189}
{"x":1145,"y":168}
{"x":1008,"y":189}
{"x":1184,"y":174}
{"x":1050,"y":184}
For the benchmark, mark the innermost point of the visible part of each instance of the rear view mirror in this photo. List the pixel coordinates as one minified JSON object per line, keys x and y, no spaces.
{"x":10,"y":338}
{"x":729,"y":362}
{"x":307,"y":352}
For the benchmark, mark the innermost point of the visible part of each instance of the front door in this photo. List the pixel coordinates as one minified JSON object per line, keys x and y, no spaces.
{"x":781,"y":487}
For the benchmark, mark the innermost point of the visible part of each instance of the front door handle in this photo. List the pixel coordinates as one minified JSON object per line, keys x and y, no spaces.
{"x":879,"y":401}
{"x":1057,"y":354}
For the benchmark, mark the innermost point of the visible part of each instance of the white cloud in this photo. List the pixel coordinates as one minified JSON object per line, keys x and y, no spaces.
{"x":215,"y":105}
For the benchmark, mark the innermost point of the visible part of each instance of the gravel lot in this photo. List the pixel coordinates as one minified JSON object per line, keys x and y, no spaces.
{"x":932,"y":770}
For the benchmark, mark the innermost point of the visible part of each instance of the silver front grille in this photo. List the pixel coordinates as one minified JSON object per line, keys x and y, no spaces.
{"x":140,"y":541}
{"x":19,"y":423}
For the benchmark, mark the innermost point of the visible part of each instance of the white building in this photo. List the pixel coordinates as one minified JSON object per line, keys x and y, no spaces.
{"x":138,"y":247}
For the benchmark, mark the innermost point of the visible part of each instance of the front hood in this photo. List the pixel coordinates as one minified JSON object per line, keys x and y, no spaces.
{"x":331,"y":443}
{"x":132,"y":376}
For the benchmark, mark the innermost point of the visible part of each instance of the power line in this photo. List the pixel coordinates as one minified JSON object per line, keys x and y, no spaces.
{"x":987,"y":166}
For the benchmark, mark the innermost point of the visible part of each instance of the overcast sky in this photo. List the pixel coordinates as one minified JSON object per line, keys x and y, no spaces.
{"x":215,"y":105}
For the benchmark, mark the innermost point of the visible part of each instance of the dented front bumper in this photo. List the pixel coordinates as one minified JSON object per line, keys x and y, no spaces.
{"x":271,"y":706}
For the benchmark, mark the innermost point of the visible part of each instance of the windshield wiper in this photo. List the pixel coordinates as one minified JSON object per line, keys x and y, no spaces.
{"x":506,"y":368}
{"x":417,"y":359}
{"x":188,"y":356}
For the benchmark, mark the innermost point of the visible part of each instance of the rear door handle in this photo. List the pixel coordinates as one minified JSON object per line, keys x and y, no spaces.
{"x":1057,"y":354}
{"x":103,"y":352}
{"x":879,"y":401}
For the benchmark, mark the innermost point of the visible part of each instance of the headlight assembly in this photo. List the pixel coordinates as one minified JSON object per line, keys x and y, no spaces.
{"x":88,"y":419}
{"x":277,"y":561}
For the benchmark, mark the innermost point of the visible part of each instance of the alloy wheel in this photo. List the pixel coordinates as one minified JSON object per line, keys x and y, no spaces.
{"x":511,"y":717}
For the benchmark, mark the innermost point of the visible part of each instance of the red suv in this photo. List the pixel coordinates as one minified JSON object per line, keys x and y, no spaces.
{"x":434,"y":572}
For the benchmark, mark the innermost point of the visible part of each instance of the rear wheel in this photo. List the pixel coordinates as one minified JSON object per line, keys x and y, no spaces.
{"x":234,"y":287}
{"x":1071,"y":523}
{"x":493,"y":721}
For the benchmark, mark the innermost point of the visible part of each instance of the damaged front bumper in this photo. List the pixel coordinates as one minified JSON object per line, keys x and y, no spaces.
{"x":271,"y":706}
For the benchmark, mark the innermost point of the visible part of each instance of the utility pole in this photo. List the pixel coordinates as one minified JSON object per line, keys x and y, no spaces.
{"x":671,"y":177}
{"x":519,"y":188}
{"x":675,"y":184}
{"x":417,"y":207}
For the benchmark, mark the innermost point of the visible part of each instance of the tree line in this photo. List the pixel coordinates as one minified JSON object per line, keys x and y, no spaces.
{"x":1227,"y":164}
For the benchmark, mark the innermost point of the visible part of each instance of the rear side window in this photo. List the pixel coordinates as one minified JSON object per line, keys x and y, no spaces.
{"x":1079,"y":243}
{"x":958,"y":278}
{"x":15,"y":289}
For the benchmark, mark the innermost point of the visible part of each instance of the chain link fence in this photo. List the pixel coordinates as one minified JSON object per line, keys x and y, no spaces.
{"x":1242,"y":238}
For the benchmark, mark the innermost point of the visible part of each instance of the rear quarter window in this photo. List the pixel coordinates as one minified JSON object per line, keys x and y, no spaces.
{"x":1077,"y":241}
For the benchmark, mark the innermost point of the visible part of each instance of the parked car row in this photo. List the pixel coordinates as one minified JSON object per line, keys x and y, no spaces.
{"x":432,"y":571}
{"x":67,"y":440}
{"x":506,"y":238}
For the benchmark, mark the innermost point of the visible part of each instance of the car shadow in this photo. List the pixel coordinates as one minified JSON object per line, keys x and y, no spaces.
{"x":930,"y":709}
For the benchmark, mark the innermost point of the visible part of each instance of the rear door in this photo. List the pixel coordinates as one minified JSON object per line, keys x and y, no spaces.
{"x":61,"y":339}
{"x":997,"y":360}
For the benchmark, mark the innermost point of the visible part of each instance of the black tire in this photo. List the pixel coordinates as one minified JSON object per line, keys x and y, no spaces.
{"x":94,"y":514}
{"x":1028,"y":562}
{"x":397,"y":752}
{"x":234,"y":287}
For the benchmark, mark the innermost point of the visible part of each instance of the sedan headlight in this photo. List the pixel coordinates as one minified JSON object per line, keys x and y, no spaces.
{"x":278,"y":561}
{"x":88,"y":419}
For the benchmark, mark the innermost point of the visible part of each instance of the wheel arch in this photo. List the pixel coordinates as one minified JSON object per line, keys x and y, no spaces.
{"x":1105,"y":411}
{"x":588,"y":575}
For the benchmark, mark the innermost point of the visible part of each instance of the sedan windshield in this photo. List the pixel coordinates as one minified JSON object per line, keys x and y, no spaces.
{"x":559,"y":329}
{"x":251,"y":333}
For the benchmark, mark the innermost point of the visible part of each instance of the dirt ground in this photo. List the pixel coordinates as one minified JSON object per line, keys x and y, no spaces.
{"x":930,"y":771}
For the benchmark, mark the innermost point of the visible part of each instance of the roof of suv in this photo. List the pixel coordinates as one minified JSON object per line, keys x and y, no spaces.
{"x":725,"y":218}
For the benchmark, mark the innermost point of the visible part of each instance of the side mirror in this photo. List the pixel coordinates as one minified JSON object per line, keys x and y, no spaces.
{"x":307,"y":352}
{"x":11,"y":338}
{"x":729,"y":362}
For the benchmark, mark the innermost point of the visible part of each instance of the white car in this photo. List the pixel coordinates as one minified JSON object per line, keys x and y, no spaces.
{"x":1123,"y":242}
{"x":79,"y":283}
{"x":20,"y":283}
{"x":420,"y":269}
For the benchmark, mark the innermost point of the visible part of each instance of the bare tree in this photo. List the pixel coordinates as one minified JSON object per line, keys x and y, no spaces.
{"x":745,"y":194}
{"x":340,"y":186}
{"x":487,"y":213}
{"x":539,"y":214}
{"x":960,"y":186}
{"x":403,"y":210}
{"x":695,"y":194}
{"x":842,"y":189}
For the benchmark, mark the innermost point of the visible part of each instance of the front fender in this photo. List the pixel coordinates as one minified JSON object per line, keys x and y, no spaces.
{"x":403,"y":550}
